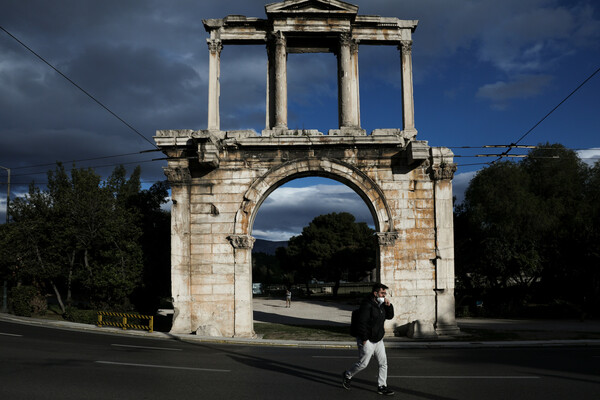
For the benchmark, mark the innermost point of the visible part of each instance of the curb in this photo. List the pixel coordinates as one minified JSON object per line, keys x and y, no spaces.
{"x":343,"y":345}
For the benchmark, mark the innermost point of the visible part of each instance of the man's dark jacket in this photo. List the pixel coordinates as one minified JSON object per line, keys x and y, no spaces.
{"x":371,"y":317}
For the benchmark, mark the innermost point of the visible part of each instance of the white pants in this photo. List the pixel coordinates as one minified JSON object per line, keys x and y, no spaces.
{"x":365,"y":352}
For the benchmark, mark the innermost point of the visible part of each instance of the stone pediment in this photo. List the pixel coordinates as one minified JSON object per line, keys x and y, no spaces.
{"x":295,"y":7}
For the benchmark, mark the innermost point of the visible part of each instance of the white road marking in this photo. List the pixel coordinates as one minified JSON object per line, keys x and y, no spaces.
{"x":144,"y":347}
{"x":356,"y":357}
{"x":10,"y":334}
{"x":162,"y":366}
{"x":462,"y":377}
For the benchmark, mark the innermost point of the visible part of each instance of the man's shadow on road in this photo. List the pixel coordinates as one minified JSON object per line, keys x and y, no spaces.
{"x":310,"y":374}
{"x":261,"y":316}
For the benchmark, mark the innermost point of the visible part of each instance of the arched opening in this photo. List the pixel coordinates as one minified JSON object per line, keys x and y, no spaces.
{"x":290,"y":206}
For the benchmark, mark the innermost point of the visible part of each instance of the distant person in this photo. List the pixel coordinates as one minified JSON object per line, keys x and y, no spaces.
{"x":373,"y":312}
{"x":288,"y":298}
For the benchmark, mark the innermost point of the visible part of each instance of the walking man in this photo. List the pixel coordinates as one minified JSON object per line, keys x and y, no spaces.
{"x":288,"y":298}
{"x":373,"y":312}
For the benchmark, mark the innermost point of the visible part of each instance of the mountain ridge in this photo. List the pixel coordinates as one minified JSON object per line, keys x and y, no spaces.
{"x":267,"y":246}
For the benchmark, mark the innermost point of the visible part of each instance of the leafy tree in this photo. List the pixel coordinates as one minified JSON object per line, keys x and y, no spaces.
{"x":590,"y":257}
{"x":155,"y":241}
{"x":503,"y":226}
{"x":79,"y":234}
{"x":559,"y":184}
{"x":529,"y":230}
{"x":33,"y":253}
{"x":266,"y":269}
{"x":332,"y":247}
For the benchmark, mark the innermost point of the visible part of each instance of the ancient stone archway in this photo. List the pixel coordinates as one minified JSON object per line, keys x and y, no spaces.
{"x":219,"y":178}
{"x":329,"y":168}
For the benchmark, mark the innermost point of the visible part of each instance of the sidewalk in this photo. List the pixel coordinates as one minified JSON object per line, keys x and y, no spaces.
{"x":326,"y":313}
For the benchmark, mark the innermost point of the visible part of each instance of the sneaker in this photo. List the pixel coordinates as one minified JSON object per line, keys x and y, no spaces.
{"x":345,"y":380}
{"x":384,"y":390}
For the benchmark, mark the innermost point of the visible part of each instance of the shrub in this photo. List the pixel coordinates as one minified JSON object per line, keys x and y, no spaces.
{"x":82,"y":316}
{"x":21,"y":299}
{"x":39,"y":305}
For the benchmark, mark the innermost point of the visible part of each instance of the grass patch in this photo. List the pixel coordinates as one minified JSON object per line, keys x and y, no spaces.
{"x":302,"y":332}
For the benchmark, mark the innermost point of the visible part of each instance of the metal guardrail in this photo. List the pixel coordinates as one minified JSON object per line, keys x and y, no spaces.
{"x":124,"y":322}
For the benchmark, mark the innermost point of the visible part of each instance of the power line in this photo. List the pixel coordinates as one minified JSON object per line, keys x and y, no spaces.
{"x":46,"y":182}
{"x":85,"y":159}
{"x":79,"y":87}
{"x":99,"y":166}
{"x":551,"y":111}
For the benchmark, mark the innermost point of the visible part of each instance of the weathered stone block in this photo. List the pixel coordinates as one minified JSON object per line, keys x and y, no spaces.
{"x":201,"y":249}
{"x":199,"y":229}
{"x":223,"y":265}
{"x":222,"y":228}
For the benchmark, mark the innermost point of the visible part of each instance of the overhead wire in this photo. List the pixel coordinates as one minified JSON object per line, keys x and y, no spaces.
{"x":98,"y":166}
{"x":503,"y":155}
{"x":79,"y":87}
{"x":512,"y":145}
{"x":85,"y":159}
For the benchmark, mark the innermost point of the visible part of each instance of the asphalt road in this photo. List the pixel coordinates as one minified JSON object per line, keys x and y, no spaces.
{"x":48,"y":363}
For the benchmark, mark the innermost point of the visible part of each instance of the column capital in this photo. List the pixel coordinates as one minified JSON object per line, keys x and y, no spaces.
{"x":405,"y":46}
{"x":178,"y":174}
{"x":214,"y":45}
{"x":387,"y":238}
{"x":346,"y":40}
{"x":443,"y":171}
{"x":241,"y":241}
{"x":277,"y":38}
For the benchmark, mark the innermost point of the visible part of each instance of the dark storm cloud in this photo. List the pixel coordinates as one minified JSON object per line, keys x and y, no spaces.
{"x":288,"y":209}
{"x":147,"y":60}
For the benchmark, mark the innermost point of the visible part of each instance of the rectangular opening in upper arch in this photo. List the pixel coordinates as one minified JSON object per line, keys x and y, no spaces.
{"x":380,"y":87}
{"x":312,"y":91}
{"x":243,"y":87}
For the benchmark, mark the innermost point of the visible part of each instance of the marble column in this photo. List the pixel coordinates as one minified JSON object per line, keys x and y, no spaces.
{"x":280,"y":90}
{"x":214,"y":86}
{"x":348,"y":105}
{"x":243,"y":313}
{"x":179,"y":178}
{"x":408,"y":110}
{"x":270,"y":108}
{"x":442,"y":174}
{"x":387,"y":242}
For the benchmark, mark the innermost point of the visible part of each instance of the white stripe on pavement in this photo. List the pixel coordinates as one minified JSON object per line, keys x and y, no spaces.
{"x":162,"y":366}
{"x":462,"y":377}
{"x":144,"y":347}
{"x":10,"y":334}
{"x":355,"y":357}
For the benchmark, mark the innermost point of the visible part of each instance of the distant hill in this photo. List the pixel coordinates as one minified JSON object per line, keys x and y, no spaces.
{"x":267,"y":246}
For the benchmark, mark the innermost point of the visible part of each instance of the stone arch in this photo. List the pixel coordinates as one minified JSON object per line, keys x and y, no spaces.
{"x":338,"y":170}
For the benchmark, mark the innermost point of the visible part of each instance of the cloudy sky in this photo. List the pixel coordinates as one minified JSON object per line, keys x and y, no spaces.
{"x":485,"y":72}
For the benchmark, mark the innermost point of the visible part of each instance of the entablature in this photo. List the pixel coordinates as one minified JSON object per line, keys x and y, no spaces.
{"x":209,"y":144}
{"x":310,"y":19}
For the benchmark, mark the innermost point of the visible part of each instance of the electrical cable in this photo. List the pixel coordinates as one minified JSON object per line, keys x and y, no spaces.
{"x":98,"y":166}
{"x":548,"y":114}
{"x":85,"y":159}
{"x":79,"y":87}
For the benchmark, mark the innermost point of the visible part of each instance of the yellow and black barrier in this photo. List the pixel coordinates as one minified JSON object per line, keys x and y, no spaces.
{"x":124,"y":322}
